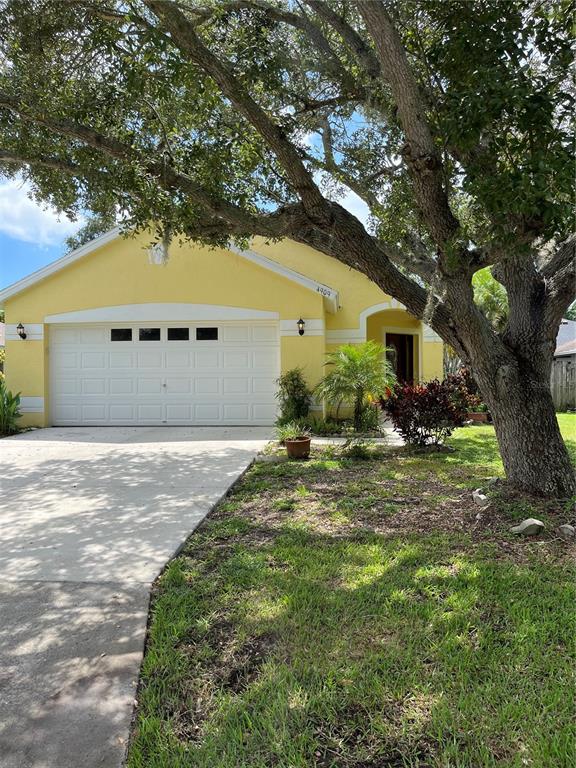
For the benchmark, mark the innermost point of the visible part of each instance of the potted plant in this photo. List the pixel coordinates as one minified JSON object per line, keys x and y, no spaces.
{"x":477,"y":411}
{"x":296,"y":438}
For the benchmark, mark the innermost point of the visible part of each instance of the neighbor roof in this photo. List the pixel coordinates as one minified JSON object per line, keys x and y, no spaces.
{"x":569,"y":348}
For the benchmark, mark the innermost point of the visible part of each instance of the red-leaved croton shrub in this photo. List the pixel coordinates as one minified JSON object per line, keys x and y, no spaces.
{"x":426,"y":414}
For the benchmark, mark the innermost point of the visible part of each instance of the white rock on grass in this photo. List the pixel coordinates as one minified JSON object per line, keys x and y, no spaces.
{"x":270,"y":458}
{"x":481,"y":499}
{"x":567,"y":531}
{"x":528,"y":527}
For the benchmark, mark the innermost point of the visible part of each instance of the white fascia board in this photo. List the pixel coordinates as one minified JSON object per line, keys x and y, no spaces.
{"x":59,"y":264}
{"x":329,"y":295}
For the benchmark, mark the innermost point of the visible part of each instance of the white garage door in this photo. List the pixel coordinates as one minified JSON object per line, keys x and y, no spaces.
{"x":164,"y":373}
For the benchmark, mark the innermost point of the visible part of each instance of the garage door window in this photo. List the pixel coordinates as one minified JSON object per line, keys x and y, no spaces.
{"x":121,"y":334}
{"x":149,"y":334}
{"x":206,"y":334}
{"x":178,"y":334}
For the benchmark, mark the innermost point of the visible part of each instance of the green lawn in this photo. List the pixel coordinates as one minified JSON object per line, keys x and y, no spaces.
{"x":354,"y":614}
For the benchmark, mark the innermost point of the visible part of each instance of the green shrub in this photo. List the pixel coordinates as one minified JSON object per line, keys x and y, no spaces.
{"x":293,"y":395}
{"x":9,"y":410}
{"x":359,"y":376}
{"x":293,"y":430}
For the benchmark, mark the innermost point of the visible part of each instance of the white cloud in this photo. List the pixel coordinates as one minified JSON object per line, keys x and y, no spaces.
{"x":24,"y":219}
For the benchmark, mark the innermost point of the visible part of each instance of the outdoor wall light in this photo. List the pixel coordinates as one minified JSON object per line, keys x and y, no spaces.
{"x":20,"y":331}
{"x":301,"y":325}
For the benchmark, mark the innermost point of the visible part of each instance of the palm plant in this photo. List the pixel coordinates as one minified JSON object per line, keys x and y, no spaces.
{"x":359,"y":373}
{"x":9,"y":409}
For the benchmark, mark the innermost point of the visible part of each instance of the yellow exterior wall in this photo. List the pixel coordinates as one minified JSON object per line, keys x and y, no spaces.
{"x":119,"y":272}
{"x":433,"y":361}
{"x":357,"y":292}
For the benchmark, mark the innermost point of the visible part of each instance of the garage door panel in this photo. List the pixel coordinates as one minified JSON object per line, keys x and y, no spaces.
{"x":66,"y":413}
{"x":121,"y":413}
{"x":239,"y":412}
{"x":92,"y":360}
{"x":177,"y":359}
{"x":229,"y":379}
{"x":149,"y":386}
{"x":121,"y":359}
{"x":207,"y":385}
{"x":62,"y":360}
{"x":238,"y":360}
{"x":92,"y":336}
{"x":93,"y":386}
{"x":68,"y":386}
{"x":150,"y":412}
{"x":64,"y":335}
{"x":206,"y":358}
{"x":238,"y":333}
{"x":121,"y":386}
{"x":149,"y":359}
{"x":178,"y":385}
{"x":94,"y":413}
{"x":236,"y":386}
{"x":178,"y":412}
{"x":207,"y":413}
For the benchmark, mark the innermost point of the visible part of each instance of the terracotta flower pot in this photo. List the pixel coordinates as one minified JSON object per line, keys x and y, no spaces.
{"x":298,"y":448}
{"x":480,"y":417}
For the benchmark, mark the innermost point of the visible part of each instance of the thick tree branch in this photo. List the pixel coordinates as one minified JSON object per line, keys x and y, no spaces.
{"x":185,"y":37}
{"x":420,"y":152}
{"x":362,"y":52}
{"x":329,"y":58}
{"x":53,"y":163}
{"x":167,"y":176}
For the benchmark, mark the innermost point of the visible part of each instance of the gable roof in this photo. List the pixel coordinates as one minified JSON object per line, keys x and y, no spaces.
{"x":329,"y":295}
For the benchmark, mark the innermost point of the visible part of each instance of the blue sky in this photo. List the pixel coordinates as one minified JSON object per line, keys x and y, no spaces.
{"x":30,"y":235}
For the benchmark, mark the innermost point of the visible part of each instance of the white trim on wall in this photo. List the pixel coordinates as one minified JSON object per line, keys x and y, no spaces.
{"x":165,"y":312}
{"x":33,"y":331}
{"x":358,"y":335}
{"x":32,"y":404}
{"x":312,"y":327}
{"x":345,"y":336}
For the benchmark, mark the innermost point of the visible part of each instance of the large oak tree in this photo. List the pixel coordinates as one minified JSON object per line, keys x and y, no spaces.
{"x":451,"y":119}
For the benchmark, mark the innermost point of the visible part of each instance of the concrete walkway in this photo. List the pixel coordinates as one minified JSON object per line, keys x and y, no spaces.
{"x":88,"y":518}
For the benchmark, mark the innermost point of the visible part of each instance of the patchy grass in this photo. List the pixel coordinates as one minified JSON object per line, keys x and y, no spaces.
{"x":354,"y":614}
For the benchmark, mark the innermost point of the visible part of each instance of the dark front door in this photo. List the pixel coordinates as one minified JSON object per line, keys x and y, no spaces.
{"x":401,"y":355}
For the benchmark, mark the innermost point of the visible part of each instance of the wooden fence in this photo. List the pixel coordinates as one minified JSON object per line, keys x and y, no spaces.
{"x":563,"y":382}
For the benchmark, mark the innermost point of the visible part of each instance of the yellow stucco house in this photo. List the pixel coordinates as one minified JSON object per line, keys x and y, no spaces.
{"x":109,"y":335}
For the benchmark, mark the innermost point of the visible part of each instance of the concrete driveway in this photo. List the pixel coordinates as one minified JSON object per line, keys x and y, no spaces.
{"x":88,"y":518}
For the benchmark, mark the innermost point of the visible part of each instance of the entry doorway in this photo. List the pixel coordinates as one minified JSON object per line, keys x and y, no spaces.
{"x":400,"y":354}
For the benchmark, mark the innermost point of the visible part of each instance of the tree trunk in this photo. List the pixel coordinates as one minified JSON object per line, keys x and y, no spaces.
{"x":533,"y":452}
